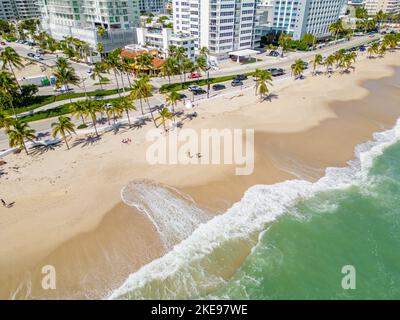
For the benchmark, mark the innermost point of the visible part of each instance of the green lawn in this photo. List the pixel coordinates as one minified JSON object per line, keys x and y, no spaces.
{"x":39,"y":101}
{"x":55,"y":112}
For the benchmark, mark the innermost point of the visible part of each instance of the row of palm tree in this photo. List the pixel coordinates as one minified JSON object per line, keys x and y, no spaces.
{"x":177,"y":63}
{"x":9,"y":59}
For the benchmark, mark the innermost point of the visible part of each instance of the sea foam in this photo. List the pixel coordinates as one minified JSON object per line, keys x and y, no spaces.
{"x":184,"y":271}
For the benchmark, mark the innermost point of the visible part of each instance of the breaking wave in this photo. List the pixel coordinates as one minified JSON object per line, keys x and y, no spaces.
{"x":189,"y":269}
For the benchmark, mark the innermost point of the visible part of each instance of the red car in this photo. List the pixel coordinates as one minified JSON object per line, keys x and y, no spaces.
{"x":194,"y":75}
{"x":2,"y":43}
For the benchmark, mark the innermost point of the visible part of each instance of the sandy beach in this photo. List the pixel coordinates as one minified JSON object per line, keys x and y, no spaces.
{"x":68,"y":211}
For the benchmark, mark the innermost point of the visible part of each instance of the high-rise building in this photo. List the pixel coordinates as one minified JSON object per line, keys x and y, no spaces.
{"x":308,"y":16}
{"x":7,"y":11}
{"x":162,"y":38}
{"x":387,"y":6}
{"x":82,"y":18}
{"x":19,"y":9}
{"x":220,"y":25}
{"x":157,"y":6}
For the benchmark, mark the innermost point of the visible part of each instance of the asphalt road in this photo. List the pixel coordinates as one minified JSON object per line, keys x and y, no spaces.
{"x":42,"y":126}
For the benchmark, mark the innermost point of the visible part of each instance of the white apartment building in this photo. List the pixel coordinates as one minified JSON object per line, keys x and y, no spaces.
{"x":220,"y":25}
{"x":156,"y":6}
{"x":81,"y":18}
{"x":27,"y":9}
{"x":298,"y":17}
{"x":387,"y":6}
{"x":161,"y":39}
{"x":19,"y":9}
{"x":7,"y":11}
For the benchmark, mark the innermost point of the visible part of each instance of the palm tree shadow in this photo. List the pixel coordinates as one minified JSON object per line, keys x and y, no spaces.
{"x":139,"y":123}
{"x":2,"y":172}
{"x":41,"y":149}
{"x":86,"y":141}
{"x":270,"y":97}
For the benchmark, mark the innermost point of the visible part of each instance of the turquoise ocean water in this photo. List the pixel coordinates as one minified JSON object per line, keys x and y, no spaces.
{"x":301,"y":255}
{"x":307,"y":232}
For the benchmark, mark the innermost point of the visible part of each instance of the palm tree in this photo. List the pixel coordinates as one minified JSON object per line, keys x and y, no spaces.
{"x":172,"y":50}
{"x":390,"y":41}
{"x":79,"y":110}
{"x":126,"y":105}
{"x":101,"y":31}
{"x":204,"y":51}
{"x":112,"y":62}
{"x":115,"y":111}
{"x":92,"y":107}
{"x":374,"y":48}
{"x":8,"y":87}
{"x":339,"y":55}
{"x":5,"y":120}
{"x":127,"y":67}
{"x":329,"y":61}
{"x":297,"y":67}
{"x":264,"y":78}
{"x":100,"y":48}
{"x":170,"y":67}
{"x":283,"y":41}
{"x":145,"y":88}
{"x":382,"y":50}
{"x":172,"y":100}
{"x":380,"y":15}
{"x":98,"y":70}
{"x":137,"y":93}
{"x":187,"y":66}
{"x":63,"y":126}
{"x":336,"y":28}
{"x":164,"y":115}
{"x":62,"y":63}
{"x":10,"y":58}
{"x":318,"y":60}
{"x":144,"y":62}
{"x":20,"y":132}
{"x":201,"y":64}
{"x":348,"y":60}
{"x":65,"y":75}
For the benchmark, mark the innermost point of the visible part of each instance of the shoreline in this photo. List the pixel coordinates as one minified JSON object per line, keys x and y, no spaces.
{"x":281,"y":154}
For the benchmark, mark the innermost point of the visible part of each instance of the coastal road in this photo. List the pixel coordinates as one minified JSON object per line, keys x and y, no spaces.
{"x":43,"y":126}
{"x":267,"y":62}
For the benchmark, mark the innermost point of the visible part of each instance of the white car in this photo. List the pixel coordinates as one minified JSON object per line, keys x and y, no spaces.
{"x":89,"y":71}
{"x":108,"y":105}
{"x":194,"y":88}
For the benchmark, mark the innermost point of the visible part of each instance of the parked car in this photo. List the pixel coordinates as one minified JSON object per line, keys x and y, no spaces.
{"x":193,"y":88}
{"x":39,"y":51}
{"x":240,"y":77}
{"x":2,"y":43}
{"x":89,"y":71}
{"x":63,"y":89}
{"x":236,"y":83}
{"x":218,"y":87}
{"x":199,"y":91}
{"x":274,"y":53}
{"x":362,"y":48}
{"x":194,"y":75}
{"x":276,"y":72}
{"x":30,"y":54}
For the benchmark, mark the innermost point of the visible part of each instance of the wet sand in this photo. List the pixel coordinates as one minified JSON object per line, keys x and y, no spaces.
{"x":69,"y":213}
